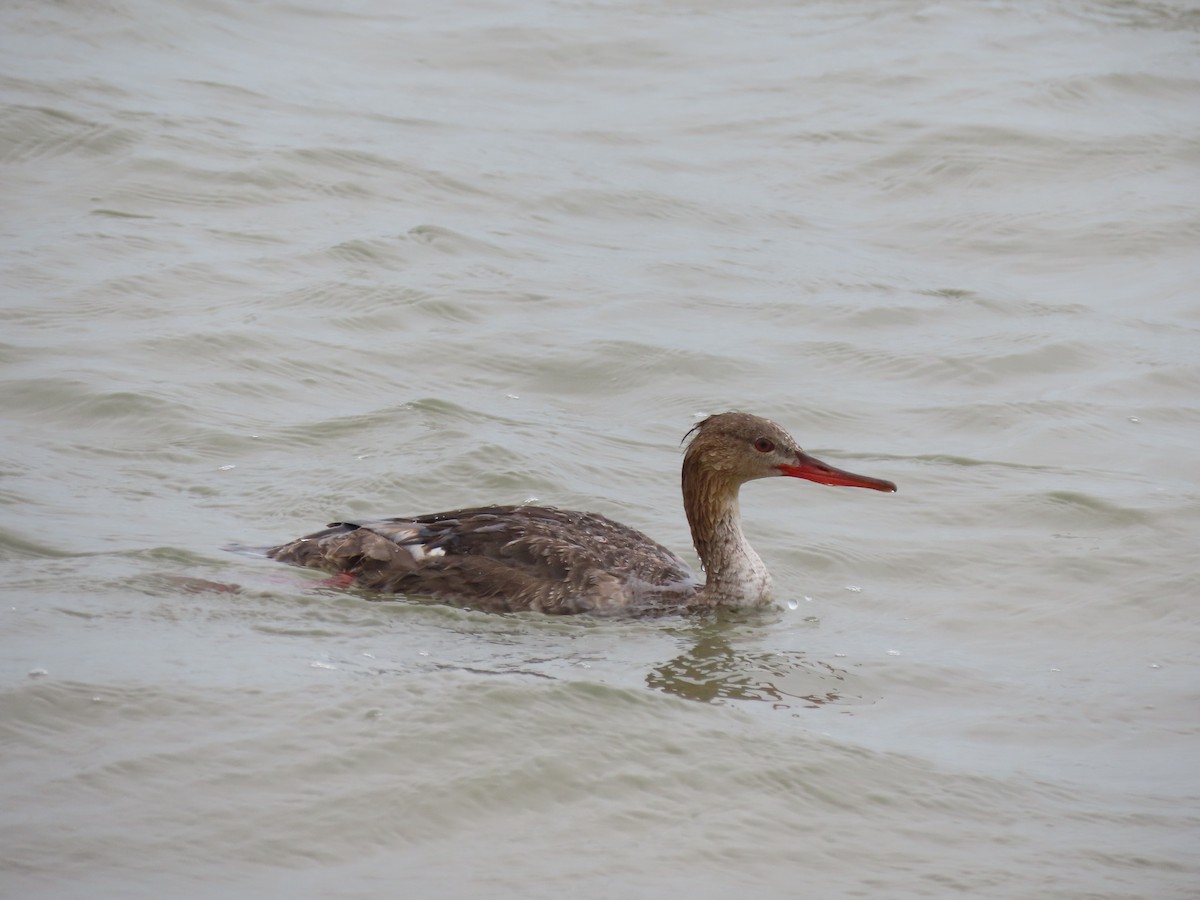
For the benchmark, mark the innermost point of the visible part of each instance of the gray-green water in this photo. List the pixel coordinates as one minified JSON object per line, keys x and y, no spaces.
{"x":267,"y":266}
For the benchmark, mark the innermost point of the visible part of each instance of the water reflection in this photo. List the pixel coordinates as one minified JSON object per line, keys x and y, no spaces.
{"x":712,"y":671}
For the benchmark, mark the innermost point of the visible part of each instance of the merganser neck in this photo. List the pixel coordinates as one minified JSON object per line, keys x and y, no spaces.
{"x":735,"y":574}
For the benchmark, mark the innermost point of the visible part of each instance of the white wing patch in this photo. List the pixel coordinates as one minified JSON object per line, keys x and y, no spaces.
{"x":419,"y":551}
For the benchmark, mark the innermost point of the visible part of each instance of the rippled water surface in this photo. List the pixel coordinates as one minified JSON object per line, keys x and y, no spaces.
{"x":265,"y":266}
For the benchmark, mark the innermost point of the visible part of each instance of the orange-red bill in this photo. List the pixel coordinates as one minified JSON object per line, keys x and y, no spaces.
{"x":812,"y":469}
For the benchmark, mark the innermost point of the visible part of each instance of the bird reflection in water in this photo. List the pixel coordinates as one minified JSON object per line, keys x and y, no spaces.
{"x":711,"y":671}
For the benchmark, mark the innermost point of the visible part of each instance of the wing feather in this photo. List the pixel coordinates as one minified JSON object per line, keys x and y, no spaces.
{"x":500,"y":558}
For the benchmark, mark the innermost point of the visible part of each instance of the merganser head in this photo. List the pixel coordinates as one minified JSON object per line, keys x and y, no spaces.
{"x":739,"y":447}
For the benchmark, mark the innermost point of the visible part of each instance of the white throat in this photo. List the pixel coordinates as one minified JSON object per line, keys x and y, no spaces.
{"x":735,"y":575}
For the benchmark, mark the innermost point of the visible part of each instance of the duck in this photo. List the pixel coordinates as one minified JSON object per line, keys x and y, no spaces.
{"x":563,"y":562}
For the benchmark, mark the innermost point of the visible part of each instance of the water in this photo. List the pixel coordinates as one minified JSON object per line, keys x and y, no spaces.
{"x":269,"y":266}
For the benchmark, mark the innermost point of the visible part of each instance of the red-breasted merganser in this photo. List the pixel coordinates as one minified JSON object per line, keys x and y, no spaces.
{"x":509,"y":558}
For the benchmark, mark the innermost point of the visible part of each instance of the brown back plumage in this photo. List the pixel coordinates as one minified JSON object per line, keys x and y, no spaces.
{"x":502,"y":558}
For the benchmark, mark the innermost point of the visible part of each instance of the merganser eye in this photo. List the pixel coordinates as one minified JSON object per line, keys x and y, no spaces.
{"x":764,"y":445}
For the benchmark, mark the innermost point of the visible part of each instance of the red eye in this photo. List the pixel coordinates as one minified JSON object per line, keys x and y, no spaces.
{"x":764,"y":445}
